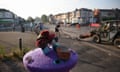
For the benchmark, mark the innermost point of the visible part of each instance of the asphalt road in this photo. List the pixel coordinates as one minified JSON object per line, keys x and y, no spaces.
{"x":10,"y":40}
{"x":92,"y":57}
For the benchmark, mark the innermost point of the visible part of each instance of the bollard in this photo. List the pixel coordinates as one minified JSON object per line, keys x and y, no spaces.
{"x":20,"y":44}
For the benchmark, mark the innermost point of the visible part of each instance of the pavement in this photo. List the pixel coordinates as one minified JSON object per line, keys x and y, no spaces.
{"x":10,"y":40}
{"x":73,"y":32}
{"x":91,"y":57}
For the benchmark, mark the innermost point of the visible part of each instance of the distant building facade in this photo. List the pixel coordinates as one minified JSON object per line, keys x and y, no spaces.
{"x":81,"y":16}
{"x":8,"y":19}
{"x":109,"y":14}
{"x":86,"y":16}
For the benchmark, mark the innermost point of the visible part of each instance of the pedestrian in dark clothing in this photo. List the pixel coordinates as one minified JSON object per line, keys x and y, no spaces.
{"x":41,"y":26}
{"x":36,"y":29}
{"x":57,"y":28}
{"x":13,"y":26}
{"x":57,"y":31}
{"x":22,"y":28}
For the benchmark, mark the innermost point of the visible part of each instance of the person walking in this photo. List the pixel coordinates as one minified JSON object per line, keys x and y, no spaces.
{"x":57,"y":32}
{"x":13,"y":27}
{"x":36,"y":29}
{"x":31,"y":26}
{"x":41,"y":26}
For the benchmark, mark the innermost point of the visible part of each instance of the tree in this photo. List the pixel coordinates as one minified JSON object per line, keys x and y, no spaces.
{"x":30,"y":19}
{"x":51,"y":19}
{"x":44,"y":19}
{"x":21,"y":20}
{"x":37,"y":20}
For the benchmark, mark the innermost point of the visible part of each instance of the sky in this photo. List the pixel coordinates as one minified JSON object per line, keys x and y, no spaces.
{"x":36,"y":8}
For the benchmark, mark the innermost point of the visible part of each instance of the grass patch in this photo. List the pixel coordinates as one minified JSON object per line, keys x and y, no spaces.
{"x":25,"y":50}
{"x":19,"y":54}
{"x":15,"y":54}
{"x":2,"y":50}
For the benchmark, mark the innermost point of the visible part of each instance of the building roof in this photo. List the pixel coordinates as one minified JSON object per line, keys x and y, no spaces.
{"x":85,"y":9}
{"x":106,"y":10}
{"x":4,"y":10}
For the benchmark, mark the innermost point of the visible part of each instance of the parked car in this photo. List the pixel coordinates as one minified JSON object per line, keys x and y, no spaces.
{"x":109,"y":31}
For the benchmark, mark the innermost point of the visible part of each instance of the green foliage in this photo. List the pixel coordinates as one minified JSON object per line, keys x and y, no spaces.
{"x":4,"y":55}
{"x":18,"y":54}
{"x":15,"y":54}
{"x":7,"y":57}
{"x":30,"y":19}
{"x":2,"y":51}
{"x":44,"y":19}
{"x":25,"y":50}
{"x":37,"y":20}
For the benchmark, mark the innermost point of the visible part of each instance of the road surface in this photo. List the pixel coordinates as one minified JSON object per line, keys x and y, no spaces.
{"x":92,"y":57}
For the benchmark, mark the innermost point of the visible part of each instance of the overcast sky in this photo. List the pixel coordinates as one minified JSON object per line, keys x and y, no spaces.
{"x":34,"y":8}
